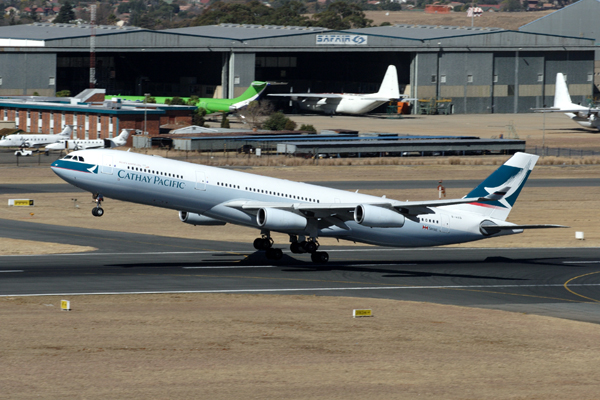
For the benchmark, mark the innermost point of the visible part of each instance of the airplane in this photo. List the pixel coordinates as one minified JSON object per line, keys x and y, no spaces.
{"x":584,"y":116}
{"x":350,"y":103}
{"x":35,"y":140}
{"x":206,"y":195}
{"x":216,"y":105}
{"x":81,"y":144}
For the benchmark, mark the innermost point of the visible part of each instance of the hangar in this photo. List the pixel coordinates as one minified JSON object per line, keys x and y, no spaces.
{"x":480,"y":70}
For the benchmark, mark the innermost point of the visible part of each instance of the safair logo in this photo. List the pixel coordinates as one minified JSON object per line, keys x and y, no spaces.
{"x":342,"y":39}
{"x":153,"y":180}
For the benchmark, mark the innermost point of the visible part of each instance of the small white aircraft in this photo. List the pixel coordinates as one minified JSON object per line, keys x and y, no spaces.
{"x":584,"y":116}
{"x":35,"y":140}
{"x":350,"y":103}
{"x":82,"y":144}
{"x":213,"y":196}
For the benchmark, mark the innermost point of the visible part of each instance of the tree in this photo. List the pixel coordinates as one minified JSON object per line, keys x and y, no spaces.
{"x":256,"y":112}
{"x":65,"y":14}
{"x":307,"y":128}
{"x":198,"y":116}
{"x":342,"y":15}
{"x":225,"y":122}
{"x":279,"y":122}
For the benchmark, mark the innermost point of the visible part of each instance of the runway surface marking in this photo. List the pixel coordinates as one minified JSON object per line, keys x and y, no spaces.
{"x":12,"y":270}
{"x":466,"y":287}
{"x":581,"y":262}
{"x":577,"y":294}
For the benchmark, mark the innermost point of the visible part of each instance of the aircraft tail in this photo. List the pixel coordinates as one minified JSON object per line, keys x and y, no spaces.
{"x":504,"y":184}
{"x":118,"y":141}
{"x":562,"y":98}
{"x":251,"y":94}
{"x":66,"y":132}
{"x":389,"y":87}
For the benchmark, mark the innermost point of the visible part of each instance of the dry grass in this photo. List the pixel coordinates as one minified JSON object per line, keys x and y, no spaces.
{"x":287,"y":347}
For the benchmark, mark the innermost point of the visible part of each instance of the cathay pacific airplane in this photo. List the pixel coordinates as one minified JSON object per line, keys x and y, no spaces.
{"x":213,"y":196}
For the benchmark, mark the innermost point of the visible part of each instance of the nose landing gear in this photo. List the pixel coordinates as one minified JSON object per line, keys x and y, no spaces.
{"x":98,"y":211}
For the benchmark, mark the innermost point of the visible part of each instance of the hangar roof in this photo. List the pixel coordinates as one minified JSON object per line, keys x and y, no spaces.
{"x":45,"y":31}
{"x":423,"y":32}
{"x":243,"y":31}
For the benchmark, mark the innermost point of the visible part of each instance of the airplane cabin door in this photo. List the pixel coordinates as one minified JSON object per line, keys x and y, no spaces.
{"x":107,"y":165}
{"x":445,"y":223}
{"x":200,"y":180}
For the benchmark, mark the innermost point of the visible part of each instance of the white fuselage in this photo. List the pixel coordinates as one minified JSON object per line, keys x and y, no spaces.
{"x":76,"y":144}
{"x":32,"y":140}
{"x":209,"y":191}
{"x":348,"y":104}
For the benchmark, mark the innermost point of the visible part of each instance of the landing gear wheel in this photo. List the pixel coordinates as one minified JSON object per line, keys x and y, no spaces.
{"x":310,"y":247}
{"x":296,"y":248}
{"x":274,"y":254}
{"x":319,"y":257}
{"x":262,"y":243}
{"x":97,"y":212}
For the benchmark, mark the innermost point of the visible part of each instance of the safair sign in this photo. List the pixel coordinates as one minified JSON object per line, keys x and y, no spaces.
{"x":343,"y":40}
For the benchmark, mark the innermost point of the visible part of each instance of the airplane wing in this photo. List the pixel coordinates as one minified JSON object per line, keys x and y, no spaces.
{"x":567,"y":110}
{"x":315,"y":95}
{"x":345,"y":211}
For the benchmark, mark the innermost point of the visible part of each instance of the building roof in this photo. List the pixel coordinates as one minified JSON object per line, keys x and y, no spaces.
{"x":244,"y":31}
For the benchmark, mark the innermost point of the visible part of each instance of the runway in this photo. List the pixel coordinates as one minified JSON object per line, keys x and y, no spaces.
{"x":554,"y":282}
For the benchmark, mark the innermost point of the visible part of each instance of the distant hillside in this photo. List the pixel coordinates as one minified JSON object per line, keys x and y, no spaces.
{"x":505,"y":20}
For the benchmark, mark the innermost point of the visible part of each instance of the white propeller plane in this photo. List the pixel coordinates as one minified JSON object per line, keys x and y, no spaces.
{"x":584,"y":116}
{"x":213,"y":196}
{"x":350,"y":103}
{"x":82,"y":144}
{"x":34,"y":140}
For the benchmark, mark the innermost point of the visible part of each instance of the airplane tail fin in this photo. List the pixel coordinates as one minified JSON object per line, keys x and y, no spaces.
{"x":502,"y":188}
{"x":251,"y":94}
{"x":389,"y":87}
{"x":67,"y":130}
{"x":562,"y":98}
{"x":118,"y":141}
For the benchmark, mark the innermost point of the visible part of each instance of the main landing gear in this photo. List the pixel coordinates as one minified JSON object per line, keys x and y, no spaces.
{"x":265,"y":242}
{"x":98,"y":211}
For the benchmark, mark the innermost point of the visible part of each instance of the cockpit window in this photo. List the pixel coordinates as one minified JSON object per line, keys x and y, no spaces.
{"x":67,"y":157}
{"x":80,"y":158}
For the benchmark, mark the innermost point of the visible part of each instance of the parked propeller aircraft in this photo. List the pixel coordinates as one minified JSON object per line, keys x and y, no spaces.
{"x":82,"y":144}
{"x":215,"y":105}
{"x":584,"y":116}
{"x":213,"y":196}
{"x":350,"y":103}
{"x":34,"y":140}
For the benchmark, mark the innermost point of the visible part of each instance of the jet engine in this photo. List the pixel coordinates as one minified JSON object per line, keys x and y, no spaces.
{"x":280,"y":220}
{"x":198,"y":219}
{"x":377,"y":217}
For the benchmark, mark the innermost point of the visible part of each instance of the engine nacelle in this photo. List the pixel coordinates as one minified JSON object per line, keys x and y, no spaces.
{"x":198,"y":219}
{"x":378,"y":217}
{"x":280,"y":220}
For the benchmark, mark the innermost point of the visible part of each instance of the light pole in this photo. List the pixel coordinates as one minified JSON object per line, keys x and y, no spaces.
{"x":146,"y":95}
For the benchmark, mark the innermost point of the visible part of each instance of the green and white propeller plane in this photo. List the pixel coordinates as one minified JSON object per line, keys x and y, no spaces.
{"x":214,"y":105}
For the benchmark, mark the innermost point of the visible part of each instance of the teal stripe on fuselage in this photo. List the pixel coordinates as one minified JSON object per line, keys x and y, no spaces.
{"x":75,"y":166}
